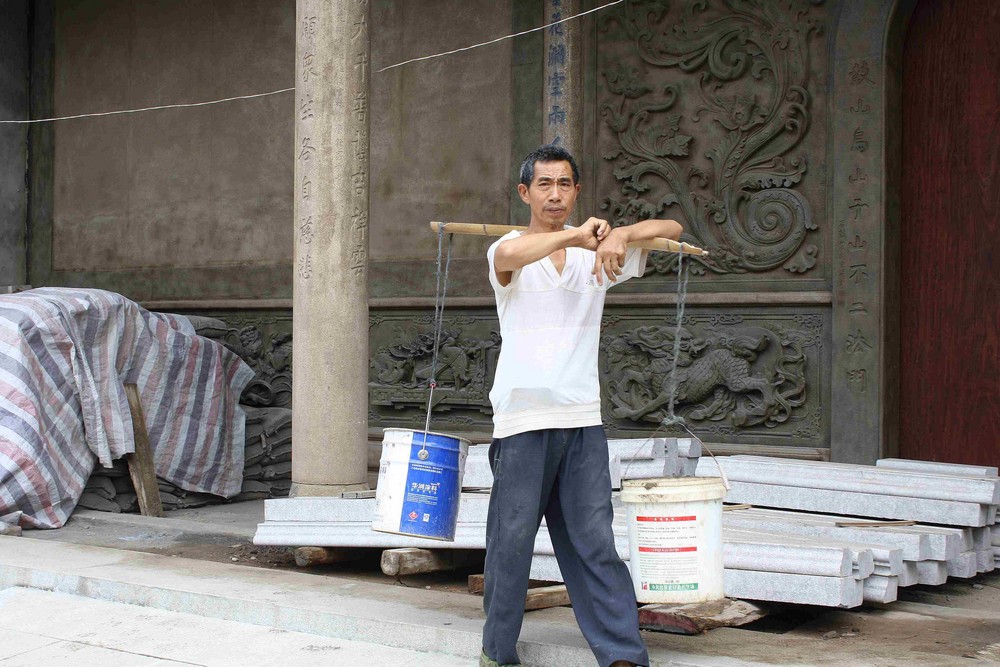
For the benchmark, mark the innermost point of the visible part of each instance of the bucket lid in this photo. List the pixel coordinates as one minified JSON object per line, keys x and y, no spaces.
{"x":467,"y":442}
{"x":672,"y":489}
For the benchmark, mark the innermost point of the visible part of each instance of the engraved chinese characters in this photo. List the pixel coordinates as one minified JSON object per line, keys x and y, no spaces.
{"x":857,"y":221}
{"x":562,"y":120}
{"x":331,"y":152}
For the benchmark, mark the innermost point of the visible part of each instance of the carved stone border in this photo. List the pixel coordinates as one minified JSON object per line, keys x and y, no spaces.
{"x":864,"y":187}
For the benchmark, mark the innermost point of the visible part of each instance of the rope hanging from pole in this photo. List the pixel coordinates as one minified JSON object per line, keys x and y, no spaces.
{"x":440,"y":291}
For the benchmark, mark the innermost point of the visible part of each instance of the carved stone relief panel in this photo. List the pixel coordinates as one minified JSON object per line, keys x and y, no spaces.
{"x":264,"y":341}
{"x":713,"y":112}
{"x":744,"y":377}
{"x":402,"y":364}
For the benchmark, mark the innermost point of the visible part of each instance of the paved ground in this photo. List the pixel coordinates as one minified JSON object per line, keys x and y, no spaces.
{"x":202,"y":561}
{"x":44,"y":629}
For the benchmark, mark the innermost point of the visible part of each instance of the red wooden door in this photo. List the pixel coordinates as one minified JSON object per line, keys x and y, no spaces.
{"x":949,"y":310}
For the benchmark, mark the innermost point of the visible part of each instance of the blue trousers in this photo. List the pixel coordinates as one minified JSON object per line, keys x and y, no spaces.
{"x":561,"y":474}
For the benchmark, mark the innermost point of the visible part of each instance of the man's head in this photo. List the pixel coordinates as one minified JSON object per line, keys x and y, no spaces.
{"x":550,"y":182}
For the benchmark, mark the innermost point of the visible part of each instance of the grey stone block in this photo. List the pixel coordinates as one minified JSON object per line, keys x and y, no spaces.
{"x":984,"y":560}
{"x":880,"y":589}
{"x":796,"y":588}
{"x":889,"y":558}
{"x":936,"y":468}
{"x":856,"y":478}
{"x":652,"y":468}
{"x":752,"y":585}
{"x":965,"y":566}
{"x":744,"y":552}
{"x":910,"y":576}
{"x":932,"y":572}
{"x":859,"y":504}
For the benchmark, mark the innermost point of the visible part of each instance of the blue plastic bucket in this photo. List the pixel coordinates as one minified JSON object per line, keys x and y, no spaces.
{"x":419,"y":483}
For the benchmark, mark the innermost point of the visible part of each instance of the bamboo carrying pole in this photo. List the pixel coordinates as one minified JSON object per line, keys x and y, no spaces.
{"x":483,"y":229}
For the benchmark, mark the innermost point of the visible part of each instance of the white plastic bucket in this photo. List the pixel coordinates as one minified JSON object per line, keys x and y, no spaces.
{"x":419,"y":483}
{"x":675,"y":538}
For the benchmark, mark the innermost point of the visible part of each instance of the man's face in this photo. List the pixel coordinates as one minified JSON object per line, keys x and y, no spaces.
{"x":552,"y":193}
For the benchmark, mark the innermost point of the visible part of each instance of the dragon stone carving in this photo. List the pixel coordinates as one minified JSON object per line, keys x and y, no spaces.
{"x":720,"y":377}
{"x":400,"y":372}
{"x":749,"y":67}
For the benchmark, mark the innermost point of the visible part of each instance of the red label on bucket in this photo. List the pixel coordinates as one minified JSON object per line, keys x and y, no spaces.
{"x":666,"y":518}
{"x":666,"y":550}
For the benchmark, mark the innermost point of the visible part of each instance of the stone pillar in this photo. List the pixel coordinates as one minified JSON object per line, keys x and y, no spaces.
{"x":330,"y":326}
{"x":562,"y":100}
{"x":13,"y":141}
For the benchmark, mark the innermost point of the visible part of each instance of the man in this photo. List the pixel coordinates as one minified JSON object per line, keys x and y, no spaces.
{"x":549,"y":454}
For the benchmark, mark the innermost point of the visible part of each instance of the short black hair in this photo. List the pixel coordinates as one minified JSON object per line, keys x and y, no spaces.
{"x":547,"y":153}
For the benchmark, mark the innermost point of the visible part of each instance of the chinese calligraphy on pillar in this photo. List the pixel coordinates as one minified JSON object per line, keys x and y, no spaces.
{"x":357,"y":132}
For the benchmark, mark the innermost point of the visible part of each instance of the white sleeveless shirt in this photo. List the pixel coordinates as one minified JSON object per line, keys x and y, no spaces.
{"x":551,"y":327}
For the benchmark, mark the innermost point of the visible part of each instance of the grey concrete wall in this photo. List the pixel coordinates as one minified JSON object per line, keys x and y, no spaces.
{"x":181,"y":187}
{"x":441,"y":129}
{"x":13,"y":147}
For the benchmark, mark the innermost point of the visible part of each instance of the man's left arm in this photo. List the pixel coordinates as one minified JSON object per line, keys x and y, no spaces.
{"x":611,"y":252}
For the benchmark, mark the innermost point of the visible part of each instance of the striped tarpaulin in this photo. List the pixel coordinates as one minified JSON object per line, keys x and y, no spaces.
{"x":65,"y":356}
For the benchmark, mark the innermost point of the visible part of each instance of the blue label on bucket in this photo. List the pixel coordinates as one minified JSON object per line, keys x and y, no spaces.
{"x":430,"y":506}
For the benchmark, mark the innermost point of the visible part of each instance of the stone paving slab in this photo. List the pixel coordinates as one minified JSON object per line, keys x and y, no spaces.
{"x":393,"y":616}
{"x":55,"y":629}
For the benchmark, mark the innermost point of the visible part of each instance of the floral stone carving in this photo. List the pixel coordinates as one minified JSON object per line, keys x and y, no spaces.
{"x":739,"y":96}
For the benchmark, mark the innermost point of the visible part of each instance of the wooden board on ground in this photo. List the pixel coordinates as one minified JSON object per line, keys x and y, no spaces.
{"x":357,"y":495}
{"x":873,"y":524}
{"x":140,"y":464}
{"x":693,"y":619}
{"x":541,"y":594}
{"x":412,"y":560}
{"x":308,"y":556}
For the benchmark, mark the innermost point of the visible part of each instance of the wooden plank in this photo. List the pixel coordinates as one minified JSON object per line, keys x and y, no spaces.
{"x":873,"y":524}
{"x":308,"y":556}
{"x":696,"y":618}
{"x":413,"y":560}
{"x":544,"y":597}
{"x":9,"y":529}
{"x":140,"y":463}
{"x":368,"y":493}
{"x":539,"y":596}
{"x":739,"y":506}
{"x":485,"y":229}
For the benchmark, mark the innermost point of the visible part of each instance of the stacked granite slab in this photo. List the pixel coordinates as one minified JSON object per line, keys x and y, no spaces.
{"x":985,"y":538}
{"x":760,"y":565}
{"x":639,"y":458}
{"x":801,"y":557}
{"x":960,"y":500}
{"x":858,"y":490}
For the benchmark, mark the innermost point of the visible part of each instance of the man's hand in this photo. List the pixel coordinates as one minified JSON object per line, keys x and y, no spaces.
{"x":592,"y":233}
{"x":611,"y":255}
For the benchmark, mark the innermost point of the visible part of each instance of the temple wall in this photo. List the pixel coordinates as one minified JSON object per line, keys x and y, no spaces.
{"x":13,"y":140}
{"x":764,"y":131}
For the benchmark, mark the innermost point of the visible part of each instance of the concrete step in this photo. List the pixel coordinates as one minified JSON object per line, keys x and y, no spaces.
{"x":393,"y":616}
{"x":49,"y":629}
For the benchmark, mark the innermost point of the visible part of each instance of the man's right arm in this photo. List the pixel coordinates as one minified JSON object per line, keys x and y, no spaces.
{"x":517,"y":253}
